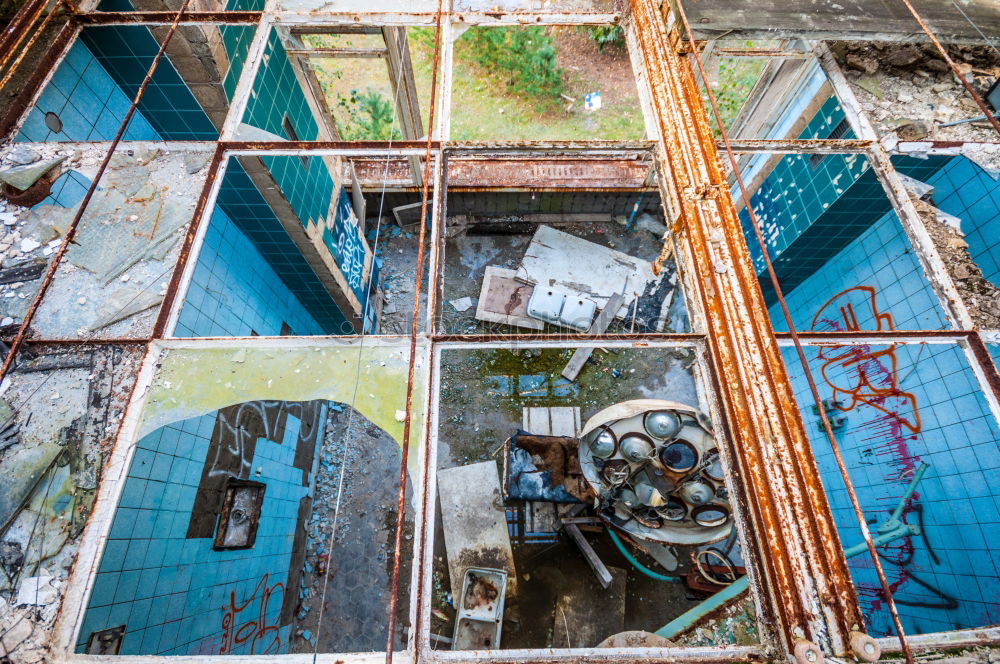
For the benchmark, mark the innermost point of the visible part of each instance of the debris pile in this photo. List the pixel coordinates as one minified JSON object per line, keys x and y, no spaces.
{"x":980,"y":296}
{"x":910,"y":91}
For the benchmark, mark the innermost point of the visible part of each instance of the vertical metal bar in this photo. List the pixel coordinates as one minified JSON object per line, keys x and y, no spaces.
{"x":807,"y":371}
{"x":244,"y":87}
{"x":414,"y":326}
{"x":803,"y":564}
{"x":71,"y":229}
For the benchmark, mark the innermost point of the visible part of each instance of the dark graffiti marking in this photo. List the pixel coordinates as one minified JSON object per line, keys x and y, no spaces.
{"x":264,"y":638}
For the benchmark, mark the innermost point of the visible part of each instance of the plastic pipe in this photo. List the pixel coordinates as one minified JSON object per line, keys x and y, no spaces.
{"x":636,"y":564}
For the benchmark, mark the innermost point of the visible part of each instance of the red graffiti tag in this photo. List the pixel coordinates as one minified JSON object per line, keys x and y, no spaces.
{"x":256,"y":630}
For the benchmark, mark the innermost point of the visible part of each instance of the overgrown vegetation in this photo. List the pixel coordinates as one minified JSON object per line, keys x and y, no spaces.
{"x":366,"y":116}
{"x":607,"y":35}
{"x":733,"y":84}
{"x":524,"y":56}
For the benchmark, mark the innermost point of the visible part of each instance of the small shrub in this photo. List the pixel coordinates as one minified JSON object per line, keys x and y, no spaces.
{"x":607,"y":35}
{"x":525,"y":56}
{"x":368,"y":116}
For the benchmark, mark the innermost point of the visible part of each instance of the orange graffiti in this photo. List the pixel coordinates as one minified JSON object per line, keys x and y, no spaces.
{"x":858,"y":373}
{"x":253,"y":630}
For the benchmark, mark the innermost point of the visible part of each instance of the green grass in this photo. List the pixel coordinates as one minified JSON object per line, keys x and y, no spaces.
{"x":484,"y":107}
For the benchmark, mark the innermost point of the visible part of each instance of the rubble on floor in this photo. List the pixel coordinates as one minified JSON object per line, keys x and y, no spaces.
{"x":358,"y":560}
{"x":909,"y":90}
{"x":735,"y":623}
{"x":114,"y":276}
{"x":981,"y":297}
{"x":65,"y":407}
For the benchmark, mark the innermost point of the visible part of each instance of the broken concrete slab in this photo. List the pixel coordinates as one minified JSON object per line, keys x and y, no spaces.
{"x":504,"y":299}
{"x":555,"y":259}
{"x":22,"y":177}
{"x":475,"y":523}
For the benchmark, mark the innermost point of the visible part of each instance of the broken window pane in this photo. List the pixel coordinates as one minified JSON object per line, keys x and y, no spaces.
{"x":323,"y":475}
{"x":286,"y":251}
{"x":534,"y":258}
{"x":520,"y":469}
{"x":114,"y":276}
{"x":94,"y":86}
{"x":843,"y":260}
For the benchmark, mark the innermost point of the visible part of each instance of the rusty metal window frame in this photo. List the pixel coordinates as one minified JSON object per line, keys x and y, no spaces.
{"x":384,"y":12}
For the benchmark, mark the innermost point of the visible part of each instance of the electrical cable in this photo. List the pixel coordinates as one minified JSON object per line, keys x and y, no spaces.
{"x":635,"y":563}
{"x":357,"y":378}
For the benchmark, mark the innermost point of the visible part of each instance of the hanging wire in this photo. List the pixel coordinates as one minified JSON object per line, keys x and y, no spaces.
{"x":401,"y":497}
{"x":357,"y":374}
{"x":841,"y":465}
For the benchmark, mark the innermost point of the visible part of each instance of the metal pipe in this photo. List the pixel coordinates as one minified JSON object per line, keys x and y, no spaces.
{"x":18,"y":27}
{"x":407,"y":421}
{"x":22,"y":331}
{"x":814,"y":390}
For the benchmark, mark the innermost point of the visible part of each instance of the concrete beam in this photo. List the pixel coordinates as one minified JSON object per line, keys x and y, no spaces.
{"x":842,"y":19}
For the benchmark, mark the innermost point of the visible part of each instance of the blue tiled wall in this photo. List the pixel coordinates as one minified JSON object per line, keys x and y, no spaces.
{"x":918,"y":403}
{"x":811,"y":209}
{"x":87,"y":100}
{"x":93,"y":88}
{"x":965,"y":190}
{"x":244,"y":205}
{"x":235,"y":291}
{"x":171,"y":591}
{"x":309,"y":187}
{"x":882,"y":259}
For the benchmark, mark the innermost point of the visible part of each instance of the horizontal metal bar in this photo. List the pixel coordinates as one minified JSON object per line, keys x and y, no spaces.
{"x":886,"y":337}
{"x":166,"y":17}
{"x":593,"y":341}
{"x":962,"y":638}
{"x":300,"y":31}
{"x":339,"y":52}
{"x":794,"y":146}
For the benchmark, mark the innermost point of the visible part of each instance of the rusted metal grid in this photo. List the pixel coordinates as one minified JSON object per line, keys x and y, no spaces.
{"x":802,"y":581}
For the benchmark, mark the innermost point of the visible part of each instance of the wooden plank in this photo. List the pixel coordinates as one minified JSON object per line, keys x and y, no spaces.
{"x":599,"y":326}
{"x":474,"y":522}
{"x":600,"y":570}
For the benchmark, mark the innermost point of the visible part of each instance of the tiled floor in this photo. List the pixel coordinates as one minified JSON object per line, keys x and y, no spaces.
{"x":907,"y":404}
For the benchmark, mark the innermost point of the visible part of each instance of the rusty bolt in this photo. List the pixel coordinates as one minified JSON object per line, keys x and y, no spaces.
{"x":864,"y":647}
{"x":807,"y":652}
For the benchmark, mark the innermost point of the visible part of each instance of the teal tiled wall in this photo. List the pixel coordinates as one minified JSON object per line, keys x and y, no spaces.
{"x":244,"y":205}
{"x":93,"y":87}
{"x":307,"y":185}
{"x":173,"y":591}
{"x":235,"y":292}
{"x":966,"y":191}
{"x":88,"y":101}
{"x":810,"y":209}
{"x":919,"y":403}
{"x":881,"y":259}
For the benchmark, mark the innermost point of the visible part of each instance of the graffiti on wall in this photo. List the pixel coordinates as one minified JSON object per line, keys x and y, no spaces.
{"x":263,"y":636}
{"x":860,"y":374}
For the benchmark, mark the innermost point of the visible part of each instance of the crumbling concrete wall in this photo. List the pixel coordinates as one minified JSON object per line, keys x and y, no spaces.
{"x":60,"y":411}
{"x":909,"y":90}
